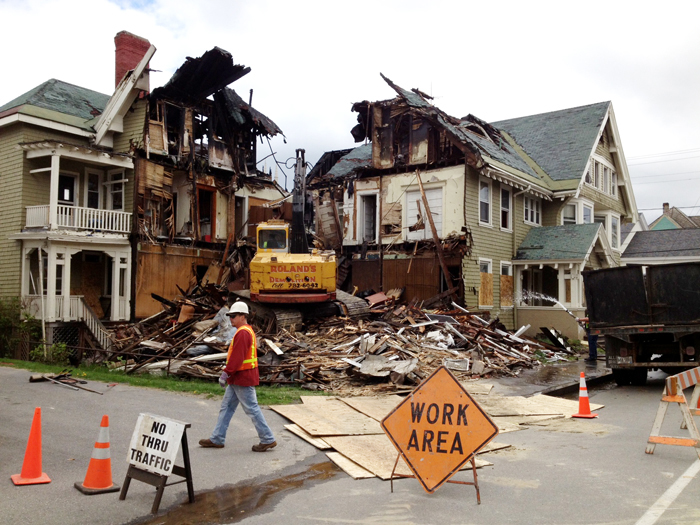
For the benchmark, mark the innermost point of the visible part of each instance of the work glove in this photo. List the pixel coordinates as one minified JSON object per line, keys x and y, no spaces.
{"x":223,"y":380}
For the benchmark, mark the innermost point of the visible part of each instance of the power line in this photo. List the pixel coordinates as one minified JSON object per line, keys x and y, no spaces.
{"x":665,"y":175}
{"x":677,"y":207}
{"x":660,"y":161}
{"x":663,"y":181}
{"x":667,"y":153}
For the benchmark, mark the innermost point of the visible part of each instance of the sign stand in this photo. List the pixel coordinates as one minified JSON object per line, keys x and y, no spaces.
{"x":160,"y":480}
{"x":475,"y":482}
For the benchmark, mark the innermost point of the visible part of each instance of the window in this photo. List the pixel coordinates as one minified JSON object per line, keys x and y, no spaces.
{"x":486,"y":283}
{"x":485,"y":202}
{"x":587,"y":215}
{"x":506,"y":285}
{"x":596,"y":170}
{"x":613,"y":187}
{"x":368,"y":218}
{"x":588,"y":174}
{"x":66,"y":189}
{"x":115,"y":185}
{"x":569,"y":214}
{"x":615,"y":232}
{"x":416,"y":217}
{"x":505,"y":209}
{"x":606,"y":180}
{"x":93,"y":189}
{"x":532,"y":210}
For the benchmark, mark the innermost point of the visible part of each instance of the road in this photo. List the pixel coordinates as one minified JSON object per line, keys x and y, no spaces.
{"x":570,"y":472}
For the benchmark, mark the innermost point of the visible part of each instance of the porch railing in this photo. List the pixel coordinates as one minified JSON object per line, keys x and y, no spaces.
{"x":78,"y":310}
{"x":79,"y":218}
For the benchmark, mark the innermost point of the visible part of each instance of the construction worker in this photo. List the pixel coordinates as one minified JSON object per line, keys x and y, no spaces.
{"x":592,"y":339}
{"x":240,"y":377}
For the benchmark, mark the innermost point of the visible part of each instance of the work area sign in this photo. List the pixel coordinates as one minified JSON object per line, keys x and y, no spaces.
{"x":438,"y":428}
{"x":154,"y":443}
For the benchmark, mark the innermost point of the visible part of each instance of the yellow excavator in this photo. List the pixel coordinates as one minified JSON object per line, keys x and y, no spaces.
{"x":289,"y":282}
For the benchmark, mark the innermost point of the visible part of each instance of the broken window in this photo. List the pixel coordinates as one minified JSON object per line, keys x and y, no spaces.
{"x":368,"y":218}
{"x":93,"y":189}
{"x":206,"y":200}
{"x":417,"y":218}
{"x":66,"y":189}
{"x":506,"y":285}
{"x":115,"y":189}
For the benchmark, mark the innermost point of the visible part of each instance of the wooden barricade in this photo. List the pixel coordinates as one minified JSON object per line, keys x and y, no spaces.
{"x":673,"y":393}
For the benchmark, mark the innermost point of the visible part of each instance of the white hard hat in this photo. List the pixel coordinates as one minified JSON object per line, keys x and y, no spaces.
{"x":239,"y":307}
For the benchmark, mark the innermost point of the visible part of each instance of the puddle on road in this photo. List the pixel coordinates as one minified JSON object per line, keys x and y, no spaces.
{"x":234,"y":503}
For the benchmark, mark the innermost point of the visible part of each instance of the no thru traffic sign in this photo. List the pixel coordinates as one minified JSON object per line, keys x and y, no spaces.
{"x":438,"y":428}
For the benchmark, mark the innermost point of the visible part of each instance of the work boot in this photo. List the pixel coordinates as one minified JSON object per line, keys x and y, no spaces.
{"x":262,"y":447}
{"x":208,"y":443}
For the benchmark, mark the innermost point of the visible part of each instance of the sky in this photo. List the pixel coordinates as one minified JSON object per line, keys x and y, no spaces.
{"x":310,"y":60}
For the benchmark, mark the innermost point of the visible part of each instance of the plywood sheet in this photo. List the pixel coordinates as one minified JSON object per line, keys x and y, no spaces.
{"x":376,"y":407}
{"x":376,"y":454}
{"x":329,"y":418}
{"x":351,"y":468}
{"x":538,"y":405}
{"x":319,"y":443}
{"x":476,"y":387}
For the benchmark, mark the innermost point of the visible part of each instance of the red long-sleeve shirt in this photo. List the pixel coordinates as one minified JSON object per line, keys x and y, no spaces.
{"x":240,"y":347}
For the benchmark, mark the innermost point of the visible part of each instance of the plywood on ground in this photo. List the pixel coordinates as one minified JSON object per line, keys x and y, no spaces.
{"x":376,"y":454}
{"x":351,"y":468}
{"x":319,"y":443}
{"x":376,"y":407}
{"x":329,"y":418}
{"x":492,"y":447}
{"x":539,"y":405}
{"x":476,"y":388}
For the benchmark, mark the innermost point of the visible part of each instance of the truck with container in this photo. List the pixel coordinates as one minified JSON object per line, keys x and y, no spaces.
{"x":648,"y":316}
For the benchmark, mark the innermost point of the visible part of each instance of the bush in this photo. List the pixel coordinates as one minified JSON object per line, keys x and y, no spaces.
{"x":57,"y":354}
{"x":14,"y":328}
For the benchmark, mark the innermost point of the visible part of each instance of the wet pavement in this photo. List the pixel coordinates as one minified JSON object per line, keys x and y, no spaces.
{"x":553,"y":379}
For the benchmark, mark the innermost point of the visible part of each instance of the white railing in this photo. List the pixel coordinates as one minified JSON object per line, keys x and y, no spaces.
{"x":78,"y":310}
{"x":79,"y":218}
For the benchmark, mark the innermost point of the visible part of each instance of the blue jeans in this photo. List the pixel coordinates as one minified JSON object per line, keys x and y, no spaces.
{"x":246,"y":396}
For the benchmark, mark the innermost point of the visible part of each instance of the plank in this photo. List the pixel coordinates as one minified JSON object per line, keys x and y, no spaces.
{"x":316,"y":442}
{"x":330,"y":418}
{"x":376,"y":407}
{"x":377,"y":454}
{"x":351,"y":468}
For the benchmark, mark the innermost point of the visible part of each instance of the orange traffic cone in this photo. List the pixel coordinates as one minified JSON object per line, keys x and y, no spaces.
{"x":31,"y":468}
{"x":98,"y":479}
{"x":584,"y":407}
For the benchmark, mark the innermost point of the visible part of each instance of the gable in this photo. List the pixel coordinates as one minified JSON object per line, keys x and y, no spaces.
{"x":664,"y":223}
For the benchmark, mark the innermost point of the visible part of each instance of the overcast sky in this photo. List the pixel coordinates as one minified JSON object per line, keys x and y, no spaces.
{"x":311,"y":60}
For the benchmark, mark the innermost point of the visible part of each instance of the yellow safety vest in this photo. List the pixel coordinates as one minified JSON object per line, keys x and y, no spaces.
{"x":252,"y":359}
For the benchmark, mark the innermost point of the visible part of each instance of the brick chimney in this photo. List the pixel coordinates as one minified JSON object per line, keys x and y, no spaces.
{"x":665,"y":208}
{"x":129,"y":49}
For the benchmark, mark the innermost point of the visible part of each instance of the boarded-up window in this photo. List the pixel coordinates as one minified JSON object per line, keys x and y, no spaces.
{"x":415,"y":211}
{"x":506,"y":286}
{"x":486,"y":284}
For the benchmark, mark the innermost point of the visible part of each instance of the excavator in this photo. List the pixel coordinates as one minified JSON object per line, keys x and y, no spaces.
{"x":288,"y":282}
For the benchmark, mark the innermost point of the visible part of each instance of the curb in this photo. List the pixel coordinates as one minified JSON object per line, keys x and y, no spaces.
{"x":571,"y":388}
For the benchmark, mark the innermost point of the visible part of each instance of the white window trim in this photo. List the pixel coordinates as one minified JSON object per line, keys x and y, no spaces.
{"x":488,"y":224}
{"x":604,"y":163}
{"x":108,"y":185}
{"x":100,"y":186}
{"x":608,"y":215}
{"x":360,"y":234}
{"x":509,"y":226}
{"x":407,"y":220}
{"x":536,"y":200}
{"x":508,"y":265}
{"x":580,"y":204}
{"x":490,"y":263}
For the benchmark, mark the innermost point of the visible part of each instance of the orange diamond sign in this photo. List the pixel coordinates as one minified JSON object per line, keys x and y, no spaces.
{"x":438,"y":428}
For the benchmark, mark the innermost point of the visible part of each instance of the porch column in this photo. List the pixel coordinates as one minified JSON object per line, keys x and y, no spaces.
{"x":127,"y":287}
{"x":53,"y":192}
{"x":67,"y":313}
{"x":51,"y":283}
{"x":114,"y":310}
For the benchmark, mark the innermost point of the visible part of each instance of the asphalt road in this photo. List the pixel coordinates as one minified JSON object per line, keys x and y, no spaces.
{"x":571,"y":472}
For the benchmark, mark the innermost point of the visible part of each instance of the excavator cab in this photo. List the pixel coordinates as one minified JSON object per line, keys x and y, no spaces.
{"x":273,"y":237}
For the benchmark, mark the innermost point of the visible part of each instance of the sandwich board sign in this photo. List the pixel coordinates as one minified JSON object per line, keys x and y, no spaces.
{"x":438,"y":428}
{"x":154,"y":446}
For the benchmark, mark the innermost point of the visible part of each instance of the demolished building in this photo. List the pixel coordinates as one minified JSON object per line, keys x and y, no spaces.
{"x":504,"y":216}
{"x":110,"y":199}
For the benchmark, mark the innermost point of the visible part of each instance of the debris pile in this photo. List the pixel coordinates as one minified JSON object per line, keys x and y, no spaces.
{"x":393,"y":350}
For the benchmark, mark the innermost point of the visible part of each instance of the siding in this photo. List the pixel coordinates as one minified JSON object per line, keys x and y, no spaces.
{"x":10,"y":209}
{"x":134,"y":123}
{"x":606,"y":201}
{"x":490,"y":243}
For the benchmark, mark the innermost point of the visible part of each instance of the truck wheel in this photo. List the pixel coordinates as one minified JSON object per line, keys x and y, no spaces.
{"x":623,"y":377}
{"x":639,"y":376}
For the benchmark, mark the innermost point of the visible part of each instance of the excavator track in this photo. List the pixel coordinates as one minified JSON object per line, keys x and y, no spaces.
{"x":291,"y":318}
